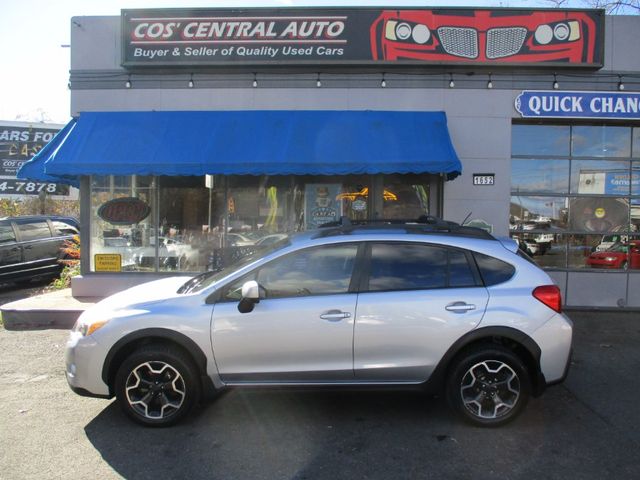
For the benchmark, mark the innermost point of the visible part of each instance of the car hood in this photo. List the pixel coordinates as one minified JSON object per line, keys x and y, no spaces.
{"x":143,"y":294}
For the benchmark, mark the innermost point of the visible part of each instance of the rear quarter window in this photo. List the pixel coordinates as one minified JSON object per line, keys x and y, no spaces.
{"x":493,"y":270}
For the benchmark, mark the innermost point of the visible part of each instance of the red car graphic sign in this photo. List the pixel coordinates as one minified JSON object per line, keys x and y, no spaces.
{"x":486,"y":36}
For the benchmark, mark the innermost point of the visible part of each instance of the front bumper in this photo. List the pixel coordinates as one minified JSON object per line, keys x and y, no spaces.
{"x":83,"y":366}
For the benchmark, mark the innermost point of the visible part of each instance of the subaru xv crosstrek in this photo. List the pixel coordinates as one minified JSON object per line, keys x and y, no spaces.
{"x":430,"y":304}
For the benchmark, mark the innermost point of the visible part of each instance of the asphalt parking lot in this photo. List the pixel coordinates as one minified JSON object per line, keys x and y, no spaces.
{"x":586,"y":428}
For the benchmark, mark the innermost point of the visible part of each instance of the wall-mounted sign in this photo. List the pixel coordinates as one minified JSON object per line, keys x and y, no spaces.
{"x":124,"y":211}
{"x":19,"y":142}
{"x":561,"y":104}
{"x":107,"y":262}
{"x":361,"y":36}
{"x":484,"y":178}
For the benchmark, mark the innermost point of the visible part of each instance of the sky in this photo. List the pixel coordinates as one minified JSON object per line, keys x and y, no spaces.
{"x":35,"y":39}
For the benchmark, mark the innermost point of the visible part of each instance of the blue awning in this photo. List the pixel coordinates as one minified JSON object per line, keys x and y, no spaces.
{"x":263,"y":142}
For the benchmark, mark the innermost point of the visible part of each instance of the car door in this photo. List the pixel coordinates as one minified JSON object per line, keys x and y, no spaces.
{"x":40,"y":249}
{"x":301,"y":331}
{"x":10,"y":249}
{"x":415,"y":302}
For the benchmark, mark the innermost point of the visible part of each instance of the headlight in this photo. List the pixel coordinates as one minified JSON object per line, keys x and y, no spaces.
{"x":88,"y":328}
{"x":610,"y":259}
{"x":405,"y":31}
{"x":558,"y":32}
{"x":561,"y":31}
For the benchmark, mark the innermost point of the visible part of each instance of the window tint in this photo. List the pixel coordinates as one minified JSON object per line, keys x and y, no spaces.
{"x":6,"y":233}
{"x":396,"y":266}
{"x":34,"y":230}
{"x":314,"y":271}
{"x":493,"y":271}
{"x":460,"y":273}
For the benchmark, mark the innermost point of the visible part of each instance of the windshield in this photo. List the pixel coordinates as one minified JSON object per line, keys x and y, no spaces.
{"x":205,"y":279}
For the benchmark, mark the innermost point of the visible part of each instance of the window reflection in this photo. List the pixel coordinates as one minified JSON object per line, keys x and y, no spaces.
{"x":134,"y":243}
{"x":539,"y":176}
{"x":601,"y":141}
{"x":535,"y":213}
{"x":543,"y":140}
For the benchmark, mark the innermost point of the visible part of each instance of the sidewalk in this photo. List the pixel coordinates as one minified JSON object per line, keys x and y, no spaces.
{"x":57,"y":309}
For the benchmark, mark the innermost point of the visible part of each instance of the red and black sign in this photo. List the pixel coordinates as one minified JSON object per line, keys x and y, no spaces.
{"x":124,"y":211}
{"x":365,"y":36}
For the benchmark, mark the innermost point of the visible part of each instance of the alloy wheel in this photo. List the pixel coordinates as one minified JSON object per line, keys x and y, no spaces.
{"x":155,"y":390}
{"x":490,"y":389}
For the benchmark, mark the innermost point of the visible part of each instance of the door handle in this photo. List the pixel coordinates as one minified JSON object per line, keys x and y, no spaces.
{"x":460,"y":307}
{"x":335,"y":315}
{"x":28,"y":247}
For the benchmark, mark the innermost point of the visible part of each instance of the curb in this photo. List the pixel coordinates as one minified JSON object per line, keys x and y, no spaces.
{"x":39,"y":319}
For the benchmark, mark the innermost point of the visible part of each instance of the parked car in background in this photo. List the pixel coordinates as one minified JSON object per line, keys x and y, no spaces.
{"x":432,"y":305}
{"x":609,"y":241}
{"x":619,"y":255}
{"x":30,"y":246}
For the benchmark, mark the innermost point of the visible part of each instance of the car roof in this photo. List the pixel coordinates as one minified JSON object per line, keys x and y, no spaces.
{"x":62,"y":218}
{"x":425,"y":225}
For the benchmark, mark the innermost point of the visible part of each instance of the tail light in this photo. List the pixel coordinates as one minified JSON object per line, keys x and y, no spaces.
{"x":549,"y":295}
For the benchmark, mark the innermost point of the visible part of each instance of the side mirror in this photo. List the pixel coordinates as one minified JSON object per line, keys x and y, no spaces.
{"x":250,"y":296}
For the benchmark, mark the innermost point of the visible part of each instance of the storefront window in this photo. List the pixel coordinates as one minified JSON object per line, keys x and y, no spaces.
{"x":601,"y":141}
{"x":539,"y":175}
{"x":565,"y":209}
{"x":405,"y":197}
{"x":538,"y":213}
{"x":540,"y":140}
{"x":191,"y":224}
{"x":122,"y":223}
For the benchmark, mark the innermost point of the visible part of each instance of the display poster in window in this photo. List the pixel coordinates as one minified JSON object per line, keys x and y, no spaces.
{"x":320,"y":204}
{"x":19,"y":143}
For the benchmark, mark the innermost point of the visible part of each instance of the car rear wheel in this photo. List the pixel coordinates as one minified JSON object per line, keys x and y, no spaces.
{"x":157,"y":385}
{"x":488,"y":386}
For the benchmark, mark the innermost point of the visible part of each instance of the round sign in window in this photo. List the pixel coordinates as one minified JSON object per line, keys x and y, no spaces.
{"x":359,"y":205}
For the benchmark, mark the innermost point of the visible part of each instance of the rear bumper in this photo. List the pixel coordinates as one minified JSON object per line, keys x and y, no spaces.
{"x":554,"y":339}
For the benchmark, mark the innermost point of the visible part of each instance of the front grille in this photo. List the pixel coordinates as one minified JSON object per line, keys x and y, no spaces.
{"x":504,"y":42}
{"x":461,"y":42}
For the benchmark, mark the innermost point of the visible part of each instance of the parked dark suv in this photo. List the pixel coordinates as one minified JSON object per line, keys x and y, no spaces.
{"x":30,"y":245}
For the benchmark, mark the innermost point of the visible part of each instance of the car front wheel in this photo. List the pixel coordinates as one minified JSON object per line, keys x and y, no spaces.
{"x":157,"y":385}
{"x":488,"y":386}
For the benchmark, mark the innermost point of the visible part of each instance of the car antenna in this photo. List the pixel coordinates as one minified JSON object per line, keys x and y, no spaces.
{"x":466,"y":218}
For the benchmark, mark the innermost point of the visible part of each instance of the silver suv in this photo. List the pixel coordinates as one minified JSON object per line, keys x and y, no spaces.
{"x":433,"y":305}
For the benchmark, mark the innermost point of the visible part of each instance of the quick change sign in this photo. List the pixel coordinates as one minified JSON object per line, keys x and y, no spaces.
{"x":555,"y":104}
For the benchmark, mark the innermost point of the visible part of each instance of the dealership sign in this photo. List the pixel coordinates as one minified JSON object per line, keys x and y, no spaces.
{"x":19,"y":143}
{"x":560,"y":104}
{"x":362,"y":36}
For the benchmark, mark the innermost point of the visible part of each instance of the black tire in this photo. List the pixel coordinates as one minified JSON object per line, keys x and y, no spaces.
{"x":488,"y":385}
{"x":157,"y":385}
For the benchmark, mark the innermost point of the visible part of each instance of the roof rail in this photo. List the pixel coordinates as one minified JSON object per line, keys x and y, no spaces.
{"x":423,"y":224}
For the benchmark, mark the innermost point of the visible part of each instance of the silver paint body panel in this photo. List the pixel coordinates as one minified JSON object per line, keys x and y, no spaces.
{"x":387,"y":338}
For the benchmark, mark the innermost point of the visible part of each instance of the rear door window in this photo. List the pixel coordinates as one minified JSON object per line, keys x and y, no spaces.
{"x":6,"y":233}
{"x":34,"y":231}
{"x":409,"y":266}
